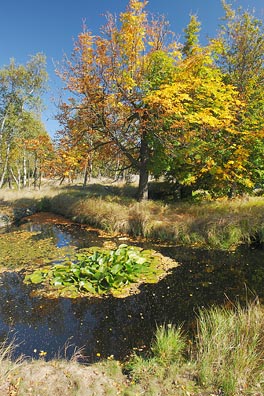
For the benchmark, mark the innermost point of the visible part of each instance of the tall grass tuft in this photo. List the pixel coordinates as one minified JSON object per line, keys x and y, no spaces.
{"x":138,"y":219}
{"x":230,"y":355}
{"x":165,"y":371}
{"x":169,"y":345}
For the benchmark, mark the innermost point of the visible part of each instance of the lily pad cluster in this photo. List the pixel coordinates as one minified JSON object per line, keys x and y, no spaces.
{"x":99,"y":270}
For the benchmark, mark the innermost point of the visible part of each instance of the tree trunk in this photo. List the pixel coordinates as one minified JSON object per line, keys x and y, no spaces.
{"x":142,"y":192}
{"x":5,"y":166}
{"x":15,"y":178}
{"x":87,"y":170}
{"x":35,"y":172}
{"x":9,"y":179}
{"x":40,"y":179}
{"x":24,"y":183}
{"x":19,"y":178}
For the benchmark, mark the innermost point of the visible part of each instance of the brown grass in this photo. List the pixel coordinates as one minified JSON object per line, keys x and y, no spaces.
{"x":218,"y":224}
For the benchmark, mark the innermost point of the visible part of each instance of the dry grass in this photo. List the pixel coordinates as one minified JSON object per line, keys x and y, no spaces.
{"x":59,"y":377}
{"x":218,"y":224}
{"x":230,"y":349}
{"x":63,"y":378}
{"x":227,"y":357}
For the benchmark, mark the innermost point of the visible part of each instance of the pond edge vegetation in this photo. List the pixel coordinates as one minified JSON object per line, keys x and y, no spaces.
{"x":112,"y":210}
{"x":226,"y":357}
{"x":219,"y":224}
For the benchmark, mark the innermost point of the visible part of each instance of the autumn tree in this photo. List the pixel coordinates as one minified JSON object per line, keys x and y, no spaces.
{"x":163,"y":108}
{"x":198,"y":111}
{"x":80,"y":153}
{"x":32,"y":154}
{"x":211,"y":140}
{"x":109,"y":76}
{"x":242,"y":61}
{"x":21,"y":88}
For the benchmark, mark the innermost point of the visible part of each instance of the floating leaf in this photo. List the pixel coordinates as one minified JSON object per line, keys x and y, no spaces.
{"x":36,"y":277}
{"x":97,"y":270}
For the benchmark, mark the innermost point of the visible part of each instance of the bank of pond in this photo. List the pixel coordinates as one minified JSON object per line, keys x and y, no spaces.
{"x":66,"y":286}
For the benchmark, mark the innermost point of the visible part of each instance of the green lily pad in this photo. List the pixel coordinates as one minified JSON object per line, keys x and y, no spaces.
{"x":101,"y":271}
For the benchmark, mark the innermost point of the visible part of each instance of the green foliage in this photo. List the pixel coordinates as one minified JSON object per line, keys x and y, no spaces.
{"x":191,"y":36}
{"x":199,"y":114}
{"x":160,"y":70}
{"x":98,"y":271}
{"x":242,"y":50}
{"x":242,"y":62}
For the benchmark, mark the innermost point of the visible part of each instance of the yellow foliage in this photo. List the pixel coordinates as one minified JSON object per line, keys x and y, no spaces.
{"x":248,"y":183}
{"x":137,"y":5}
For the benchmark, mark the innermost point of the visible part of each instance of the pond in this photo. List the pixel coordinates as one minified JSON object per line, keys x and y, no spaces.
{"x":110,"y":326}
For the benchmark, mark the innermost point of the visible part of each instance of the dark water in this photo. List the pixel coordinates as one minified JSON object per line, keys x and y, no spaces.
{"x":113,"y":326}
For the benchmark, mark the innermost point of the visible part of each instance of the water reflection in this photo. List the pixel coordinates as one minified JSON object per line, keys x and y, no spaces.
{"x":113,"y":326}
{"x":63,"y":234}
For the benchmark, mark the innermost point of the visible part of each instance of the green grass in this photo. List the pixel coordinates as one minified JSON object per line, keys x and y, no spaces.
{"x":169,"y":345}
{"x":230,"y":349}
{"x":227,"y":357}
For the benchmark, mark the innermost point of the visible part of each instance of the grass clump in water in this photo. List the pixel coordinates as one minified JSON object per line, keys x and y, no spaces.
{"x":169,"y":345}
{"x":165,"y":369}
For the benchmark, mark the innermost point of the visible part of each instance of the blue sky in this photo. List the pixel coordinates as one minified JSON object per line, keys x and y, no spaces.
{"x":50,"y":26}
